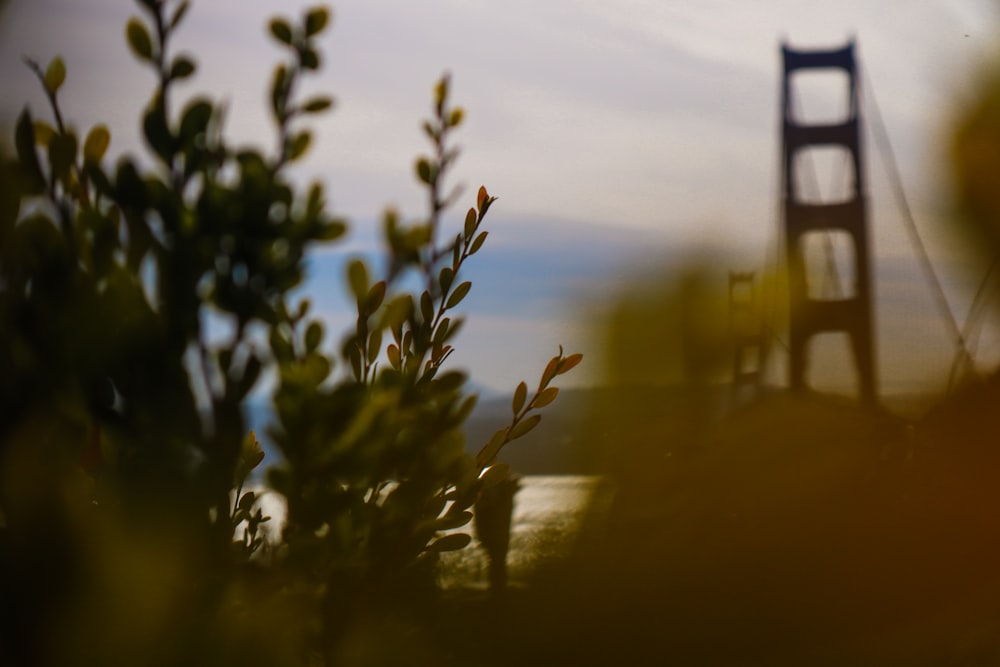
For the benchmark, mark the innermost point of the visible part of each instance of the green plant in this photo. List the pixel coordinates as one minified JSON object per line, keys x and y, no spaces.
{"x":376,"y":467}
{"x":123,"y":436}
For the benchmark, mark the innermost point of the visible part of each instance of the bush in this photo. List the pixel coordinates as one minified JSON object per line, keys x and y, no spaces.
{"x":123,"y":441}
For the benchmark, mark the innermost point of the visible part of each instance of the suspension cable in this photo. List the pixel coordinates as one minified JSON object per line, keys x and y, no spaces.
{"x":971,"y":322}
{"x":881,"y":136}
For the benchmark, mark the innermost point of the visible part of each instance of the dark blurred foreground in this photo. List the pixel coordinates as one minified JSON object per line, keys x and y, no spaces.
{"x":800,"y":531}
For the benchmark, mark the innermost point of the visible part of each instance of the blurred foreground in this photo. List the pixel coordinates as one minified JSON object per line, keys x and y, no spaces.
{"x":800,"y":531}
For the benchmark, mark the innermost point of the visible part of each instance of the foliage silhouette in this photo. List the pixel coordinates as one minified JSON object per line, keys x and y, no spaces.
{"x":129,"y":533}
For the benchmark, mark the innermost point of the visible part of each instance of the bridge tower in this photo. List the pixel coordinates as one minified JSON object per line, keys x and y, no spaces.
{"x":811,"y":313}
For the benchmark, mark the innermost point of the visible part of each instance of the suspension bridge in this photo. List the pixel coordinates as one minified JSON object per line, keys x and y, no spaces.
{"x":826,"y":240}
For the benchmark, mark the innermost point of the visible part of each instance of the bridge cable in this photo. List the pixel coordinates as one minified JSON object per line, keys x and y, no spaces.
{"x":973,"y":319}
{"x":882,"y":141}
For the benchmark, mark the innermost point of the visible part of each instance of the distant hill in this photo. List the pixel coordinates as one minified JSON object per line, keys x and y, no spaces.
{"x":552,"y":448}
{"x":565,"y":442}
{"x":562,"y":443}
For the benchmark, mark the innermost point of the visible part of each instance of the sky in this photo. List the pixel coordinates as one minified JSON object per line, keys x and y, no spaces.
{"x":617,"y":134}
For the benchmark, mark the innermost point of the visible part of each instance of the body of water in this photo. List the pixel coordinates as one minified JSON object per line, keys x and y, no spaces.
{"x":551,"y":514}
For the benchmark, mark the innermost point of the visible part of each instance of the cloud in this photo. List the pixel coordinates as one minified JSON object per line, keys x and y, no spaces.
{"x":609,"y":130}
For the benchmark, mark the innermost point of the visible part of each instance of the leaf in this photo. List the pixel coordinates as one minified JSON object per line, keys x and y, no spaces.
{"x":520,"y":395}
{"x":451,"y":521}
{"x":140,"y":239}
{"x":316,"y":20}
{"x":316,"y":368}
{"x":569,"y":363}
{"x":309,"y":59}
{"x":483,"y":201}
{"x":194,"y":120}
{"x":441,"y":333}
{"x":100,"y":180}
{"x":281,"y":30}
{"x":281,"y":347}
{"x":397,"y":311}
{"x":314,"y":336}
{"x":252,"y":453}
{"x":250,"y":375}
{"x":374,"y":345}
{"x":392,"y":352}
{"x":455,"y":119}
{"x":456,"y":326}
{"x":551,"y":370}
{"x":181,"y":68}
{"x":426,"y":307}
{"x":441,"y":91}
{"x":489,"y":451}
{"x":424,"y":171}
{"x":355,"y":358}
{"x":96,"y":144}
{"x":62,"y":155}
{"x":470,"y":224}
{"x":496,"y":473}
{"x":246,"y":502}
{"x":139,"y":40}
{"x":179,"y":14}
{"x":452,"y":542}
{"x":129,"y":187}
{"x":445,"y":278}
{"x":298,"y":145}
{"x":303,"y":310}
{"x":463,"y":499}
{"x":464,"y":410}
{"x":330,"y":230}
{"x":450,"y":381}
{"x":24,"y":140}
{"x":317,"y":104}
{"x":545,"y":397}
{"x":279,"y":91}
{"x":55,"y":75}
{"x":357,"y":278}
{"x":440,"y":353}
{"x":315,"y":202}
{"x":43,"y":133}
{"x":459,"y":294}
{"x":376,"y":295}
{"x":525,"y":426}
{"x":157,"y":134}
{"x":478,"y":243}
